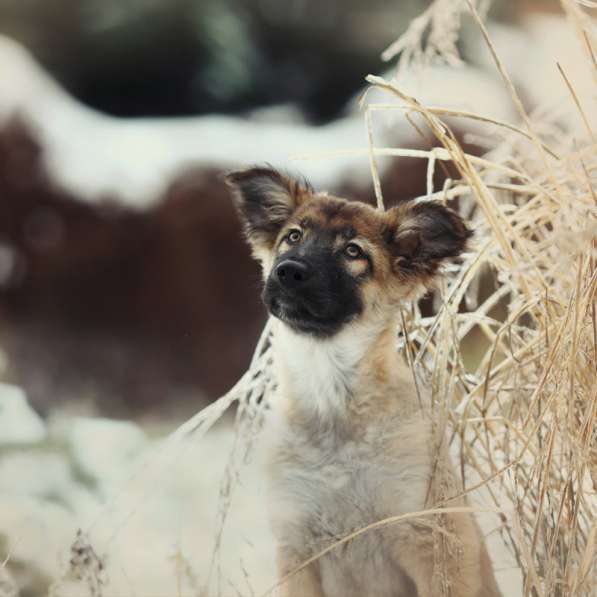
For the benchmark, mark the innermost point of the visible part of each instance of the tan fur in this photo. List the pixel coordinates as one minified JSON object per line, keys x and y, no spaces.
{"x":352,"y":442}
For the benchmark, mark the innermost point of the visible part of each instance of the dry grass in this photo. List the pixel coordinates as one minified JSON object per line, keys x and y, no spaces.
{"x":524,"y":416}
{"x":521,"y":413}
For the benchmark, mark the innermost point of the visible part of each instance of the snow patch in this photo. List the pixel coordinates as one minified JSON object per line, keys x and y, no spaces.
{"x":19,"y":423}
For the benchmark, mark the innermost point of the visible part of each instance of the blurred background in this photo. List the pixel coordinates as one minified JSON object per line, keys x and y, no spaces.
{"x":125,"y":287}
{"x":128,"y":299}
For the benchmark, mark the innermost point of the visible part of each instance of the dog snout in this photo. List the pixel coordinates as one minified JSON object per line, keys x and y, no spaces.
{"x":292,"y":274}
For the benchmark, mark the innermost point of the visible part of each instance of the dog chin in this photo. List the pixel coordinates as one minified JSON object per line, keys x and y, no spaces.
{"x":302,"y":320}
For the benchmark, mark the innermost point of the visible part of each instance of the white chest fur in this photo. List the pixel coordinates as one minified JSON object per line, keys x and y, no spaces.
{"x":319,"y":374}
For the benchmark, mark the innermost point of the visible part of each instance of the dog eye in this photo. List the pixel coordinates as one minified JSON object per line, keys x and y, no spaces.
{"x":294,"y":236}
{"x":353,"y":251}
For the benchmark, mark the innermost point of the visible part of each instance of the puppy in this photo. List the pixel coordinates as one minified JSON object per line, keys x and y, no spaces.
{"x":355,"y":443}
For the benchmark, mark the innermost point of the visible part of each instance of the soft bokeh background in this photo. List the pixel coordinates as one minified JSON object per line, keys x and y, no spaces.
{"x":126,"y":290}
{"x":124,"y":284}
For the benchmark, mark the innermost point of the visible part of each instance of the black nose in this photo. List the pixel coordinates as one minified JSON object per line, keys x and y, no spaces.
{"x":292,"y":274}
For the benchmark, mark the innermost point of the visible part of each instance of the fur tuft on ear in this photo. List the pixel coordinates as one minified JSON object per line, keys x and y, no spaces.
{"x":422,"y":235}
{"x":265,"y":199}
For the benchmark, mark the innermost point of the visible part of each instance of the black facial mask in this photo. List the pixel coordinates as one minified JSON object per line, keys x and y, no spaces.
{"x":311,"y":291}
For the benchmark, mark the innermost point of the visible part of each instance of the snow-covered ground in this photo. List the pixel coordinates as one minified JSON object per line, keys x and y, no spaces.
{"x":148,"y":507}
{"x":94,"y":156}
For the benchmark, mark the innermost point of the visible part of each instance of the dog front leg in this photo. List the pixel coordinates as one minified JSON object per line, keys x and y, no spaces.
{"x":465,"y":565}
{"x":305,"y":583}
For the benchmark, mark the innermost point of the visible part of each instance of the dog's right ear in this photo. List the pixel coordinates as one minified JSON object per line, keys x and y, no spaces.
{"x":265,"y":199}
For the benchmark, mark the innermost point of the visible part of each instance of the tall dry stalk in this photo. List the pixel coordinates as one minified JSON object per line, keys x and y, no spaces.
{"x":524,"y":416}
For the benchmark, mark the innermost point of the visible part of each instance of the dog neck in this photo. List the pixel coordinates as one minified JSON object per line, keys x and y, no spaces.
{"x":326,"y":380}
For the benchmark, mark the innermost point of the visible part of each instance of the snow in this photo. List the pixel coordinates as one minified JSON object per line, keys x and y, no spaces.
{"x":94,"y":156}
{"x":19,"y":423}
{"x":531,"y":58}
{"x":148,"y":508}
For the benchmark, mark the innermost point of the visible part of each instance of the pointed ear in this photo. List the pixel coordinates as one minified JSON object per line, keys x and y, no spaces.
{"x":423,"y":235}
{"x":265,"y":199}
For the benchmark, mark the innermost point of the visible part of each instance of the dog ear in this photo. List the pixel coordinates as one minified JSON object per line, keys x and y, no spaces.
{"x":422,"y":235}
{"x":265,"y":199}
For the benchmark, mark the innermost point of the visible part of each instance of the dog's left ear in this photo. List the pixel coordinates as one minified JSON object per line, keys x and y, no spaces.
{"x":422,"y":235}
{"x":265,"y":199}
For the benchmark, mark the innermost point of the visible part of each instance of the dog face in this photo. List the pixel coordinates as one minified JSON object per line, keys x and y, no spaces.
{"x":327,"y":261}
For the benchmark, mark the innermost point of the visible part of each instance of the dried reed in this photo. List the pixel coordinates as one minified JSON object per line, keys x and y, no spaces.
{"x":523,"y":416}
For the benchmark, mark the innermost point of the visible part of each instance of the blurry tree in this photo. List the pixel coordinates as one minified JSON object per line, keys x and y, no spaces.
{"x":182,"y":57}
